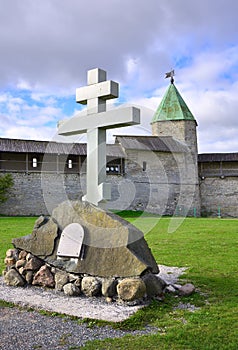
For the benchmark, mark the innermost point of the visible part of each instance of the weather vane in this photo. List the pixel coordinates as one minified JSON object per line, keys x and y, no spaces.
{"x":171,"y":75}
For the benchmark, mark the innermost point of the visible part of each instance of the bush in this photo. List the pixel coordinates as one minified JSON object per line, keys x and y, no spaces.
{"x":6,"y":182}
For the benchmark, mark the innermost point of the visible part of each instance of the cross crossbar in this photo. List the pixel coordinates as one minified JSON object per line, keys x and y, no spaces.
{"x":95,"y":124}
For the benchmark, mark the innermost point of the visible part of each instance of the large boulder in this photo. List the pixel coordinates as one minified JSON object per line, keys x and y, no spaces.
{"x":112,"y":247}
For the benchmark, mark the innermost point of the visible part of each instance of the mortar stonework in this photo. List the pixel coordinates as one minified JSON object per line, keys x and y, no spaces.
{"x":27,"y":197}
{"x":167,"y":185}
{"x":219,"y":196}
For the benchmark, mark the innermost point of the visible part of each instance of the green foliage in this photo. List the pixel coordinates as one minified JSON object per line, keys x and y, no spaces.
{"x":6,"y":182}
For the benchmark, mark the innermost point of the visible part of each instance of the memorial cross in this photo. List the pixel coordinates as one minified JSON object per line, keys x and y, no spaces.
{"x":95,"y":124}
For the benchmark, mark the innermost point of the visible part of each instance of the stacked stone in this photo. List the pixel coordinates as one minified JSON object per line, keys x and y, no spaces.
{"x":23,"y":268}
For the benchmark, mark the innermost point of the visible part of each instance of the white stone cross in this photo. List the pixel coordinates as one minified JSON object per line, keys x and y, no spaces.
{"x":95,"y":124}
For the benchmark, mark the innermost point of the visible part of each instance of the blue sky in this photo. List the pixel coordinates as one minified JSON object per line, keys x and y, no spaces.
{"x":47,"y":47}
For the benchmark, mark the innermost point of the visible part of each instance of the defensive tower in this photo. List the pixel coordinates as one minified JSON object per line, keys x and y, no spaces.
{"x":173,"y":118}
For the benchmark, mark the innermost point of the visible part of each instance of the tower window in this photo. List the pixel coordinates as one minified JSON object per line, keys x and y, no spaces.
{"x":34,"y":162}
{"x":144,"y":166}
{"x":70,"y":163}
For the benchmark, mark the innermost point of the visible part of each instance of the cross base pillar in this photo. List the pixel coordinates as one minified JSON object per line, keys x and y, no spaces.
{"x":97,"y":189}
{"x":101,"y":193}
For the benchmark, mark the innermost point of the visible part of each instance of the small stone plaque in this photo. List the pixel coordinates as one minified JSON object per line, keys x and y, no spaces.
{"x":71,"y":241}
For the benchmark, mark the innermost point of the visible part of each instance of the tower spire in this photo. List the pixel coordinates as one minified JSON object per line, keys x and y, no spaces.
{"x":172,"y":107}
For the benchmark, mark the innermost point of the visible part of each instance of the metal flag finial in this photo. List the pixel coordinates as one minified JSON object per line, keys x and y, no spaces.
{"x":171,"y":75}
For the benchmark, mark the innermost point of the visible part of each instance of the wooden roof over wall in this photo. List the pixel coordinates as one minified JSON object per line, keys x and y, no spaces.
{"x":49,"y":147}
{"x":152,"y":143}
{"x":218,"y":157}
{"x":30,"y":146}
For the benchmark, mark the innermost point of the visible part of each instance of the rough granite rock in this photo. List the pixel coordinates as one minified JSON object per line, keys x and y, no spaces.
{"x":109,"y":287}
{"x":154,"y":285}
{"x":130,"y":289}
{"x":13,"y":278}
{"x":12,"y":253}
{"x":71,"y":289}
{"x":9,"y":261}
{"x":41,"y":242}
{"x":22,"y":255}
{"x":33,"y":264}
{"x":20,"y":263}
{"x":61,"y":278}
{"x":112,"y":247}
{"x":187,"y":289}
{"x":44,"y":278}
{"x":11,"y":257}
{"x":91,"y":286}
{"x":29,"y":276}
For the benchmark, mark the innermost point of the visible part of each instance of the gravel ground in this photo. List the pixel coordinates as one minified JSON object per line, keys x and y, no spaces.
{"x":22,"y":330}
{"x":28,"y":330}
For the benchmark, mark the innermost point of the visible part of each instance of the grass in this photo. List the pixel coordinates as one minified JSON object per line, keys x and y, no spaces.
{"x":12,"y":227}
{"x":208,"y":248}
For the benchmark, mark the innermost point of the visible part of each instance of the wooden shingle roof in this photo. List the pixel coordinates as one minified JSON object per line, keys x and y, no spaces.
{"x":30,"y":146}
{"x":218,"y":157}
{"x":152,"y":143}
{"x":49,"y":147}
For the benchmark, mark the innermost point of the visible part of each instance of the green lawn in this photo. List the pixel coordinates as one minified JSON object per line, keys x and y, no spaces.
{"x":12,"y":227}
{"x":209,"y":249}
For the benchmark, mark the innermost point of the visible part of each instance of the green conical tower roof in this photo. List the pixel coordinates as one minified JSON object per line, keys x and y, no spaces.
{"x":172,"y":107}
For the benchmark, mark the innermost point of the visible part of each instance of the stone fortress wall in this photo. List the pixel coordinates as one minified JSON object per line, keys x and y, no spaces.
{"x":219,"y":196}
{"x":153,"y":189}
{"x":28,"y":197}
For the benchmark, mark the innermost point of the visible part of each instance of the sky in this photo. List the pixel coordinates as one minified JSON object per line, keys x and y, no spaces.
{"x":47,"y":47}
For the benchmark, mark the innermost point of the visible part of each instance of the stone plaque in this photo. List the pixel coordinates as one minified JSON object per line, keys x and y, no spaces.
{"x":71,"y":241}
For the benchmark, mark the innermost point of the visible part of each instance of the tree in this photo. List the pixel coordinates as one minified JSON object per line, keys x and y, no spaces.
{"x":6,"y":182}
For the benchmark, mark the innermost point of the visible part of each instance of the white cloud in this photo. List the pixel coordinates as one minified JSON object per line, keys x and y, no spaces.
{"x":23,"y":85}
{"x":26,"y":132}
{"x":47,"y":47}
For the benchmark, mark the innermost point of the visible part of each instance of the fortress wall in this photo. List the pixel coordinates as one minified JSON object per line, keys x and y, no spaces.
{"x":157,"y":182}
{"x":36,"y":194}
{"x":162,"y":188}
{"x":153,"y":190}
{"x":219,"y":196}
